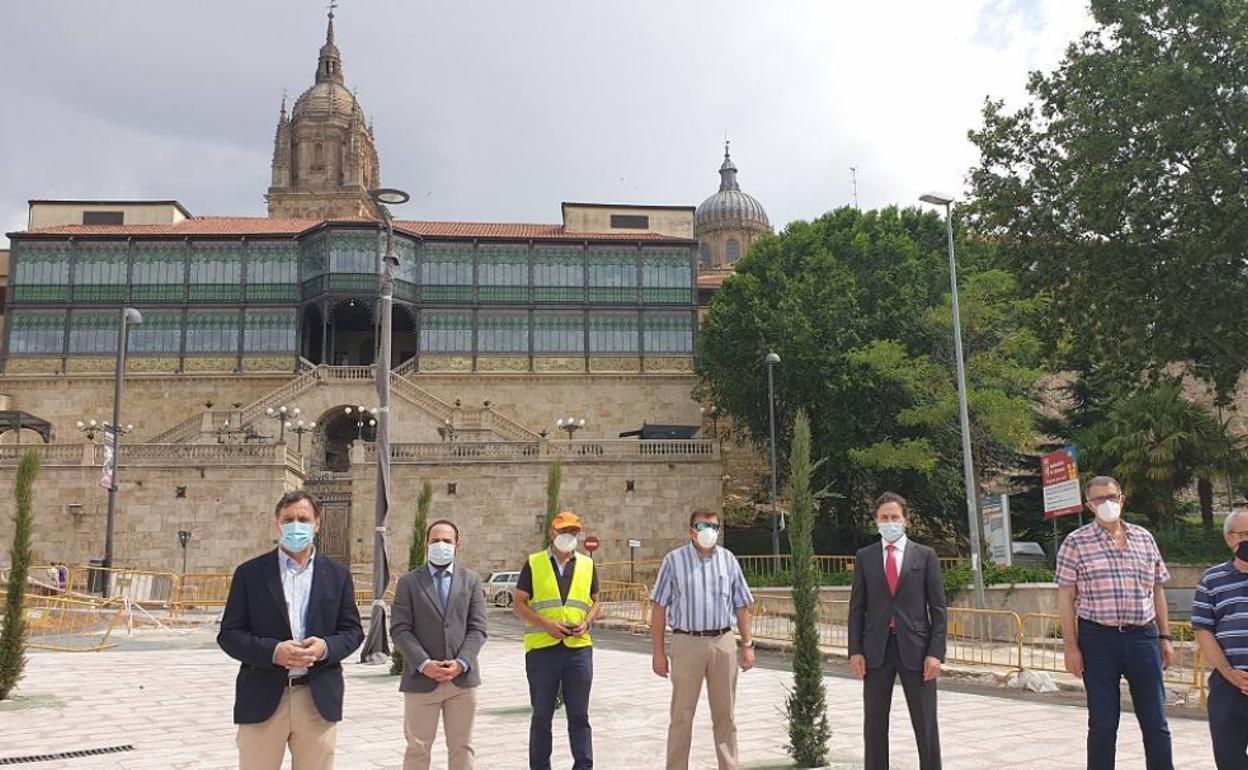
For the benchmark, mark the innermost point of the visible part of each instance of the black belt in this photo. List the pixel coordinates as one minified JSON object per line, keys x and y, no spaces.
{"x":299,"y":681}
{"x":715,"y":632}
{"x":1122,"y":629}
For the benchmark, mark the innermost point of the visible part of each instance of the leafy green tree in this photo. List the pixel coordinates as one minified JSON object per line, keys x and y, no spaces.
{"x":1156,"y":443}
{"x":13,"y":634}
{"x":806,"y":704}
{"x":1119,"y":189}
{"x":856,"y":304}
{"x":415,"y":554}
{"x":554,"y":479}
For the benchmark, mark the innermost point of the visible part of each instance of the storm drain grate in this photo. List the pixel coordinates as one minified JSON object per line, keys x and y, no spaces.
{"x":65,"y":755}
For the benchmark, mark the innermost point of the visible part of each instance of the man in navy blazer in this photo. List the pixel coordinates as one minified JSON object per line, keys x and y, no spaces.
{"x":290,"y":619}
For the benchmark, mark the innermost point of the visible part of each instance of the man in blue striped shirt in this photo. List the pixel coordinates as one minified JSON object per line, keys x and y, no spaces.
{"x":1220,"y":619}
{"x":699,"y":592}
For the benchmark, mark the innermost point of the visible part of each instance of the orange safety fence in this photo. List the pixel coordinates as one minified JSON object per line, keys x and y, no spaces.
{"x":62,"y":624}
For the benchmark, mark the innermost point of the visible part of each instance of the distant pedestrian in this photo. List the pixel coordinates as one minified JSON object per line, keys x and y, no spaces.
{"x":1220,"y":619}
{"x":897,"y":626}
{"x":438,"y":624}
{"x":1115,"y":624}
{"x":556,"y":596}
{"x":701,"y":593}
{"x":290,"y":619}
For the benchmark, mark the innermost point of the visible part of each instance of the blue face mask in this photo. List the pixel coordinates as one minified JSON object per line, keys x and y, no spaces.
{"x":297,"y":536}
{"x":891,"y":531}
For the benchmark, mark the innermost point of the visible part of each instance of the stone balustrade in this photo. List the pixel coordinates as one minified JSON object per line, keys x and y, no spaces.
{"x":693,"y":450}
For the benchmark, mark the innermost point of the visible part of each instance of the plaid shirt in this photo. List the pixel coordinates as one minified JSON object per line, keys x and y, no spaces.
{"x":1114,"y":586}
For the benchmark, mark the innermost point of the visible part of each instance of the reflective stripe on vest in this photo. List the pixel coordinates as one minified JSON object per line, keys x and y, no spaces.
{"x":547,"y":602}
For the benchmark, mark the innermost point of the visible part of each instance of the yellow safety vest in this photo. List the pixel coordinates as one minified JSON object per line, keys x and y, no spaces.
{"x":546,"y":601}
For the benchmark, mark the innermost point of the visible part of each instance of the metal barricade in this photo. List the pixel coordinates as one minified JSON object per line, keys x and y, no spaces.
{"x":629,"y":602}
{"x":62,"y":624}
{"x":145,"y":588}
{"x":201,"y":590}
{"x":983,"y":637}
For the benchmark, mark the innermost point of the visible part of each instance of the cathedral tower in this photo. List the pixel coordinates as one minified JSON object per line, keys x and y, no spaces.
{"x":324,"y":159}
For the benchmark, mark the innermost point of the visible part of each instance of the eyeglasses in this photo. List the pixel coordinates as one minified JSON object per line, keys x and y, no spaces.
{"x":1105,"y":499}
{"x":1238,"y":535}
{"x":703,"y":525}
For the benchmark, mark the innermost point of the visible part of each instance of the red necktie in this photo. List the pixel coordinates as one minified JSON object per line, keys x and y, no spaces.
{"x":890,"y":570}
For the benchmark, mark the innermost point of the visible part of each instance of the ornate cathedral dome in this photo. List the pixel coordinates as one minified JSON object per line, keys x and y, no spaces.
{"x":730,"y":208}
{"x":328,"y":96}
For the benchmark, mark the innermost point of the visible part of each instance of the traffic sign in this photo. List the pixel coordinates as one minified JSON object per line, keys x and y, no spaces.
{"x":591,"y":543}
{"x":634,"y":543}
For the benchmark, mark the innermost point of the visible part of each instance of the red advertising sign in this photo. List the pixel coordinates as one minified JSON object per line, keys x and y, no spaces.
{"x":1059,"y":474}
{"x":591,"y":543}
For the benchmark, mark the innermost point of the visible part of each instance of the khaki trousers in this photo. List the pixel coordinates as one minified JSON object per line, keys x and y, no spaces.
{"x":296,"y":723}
{"x":694,"y":659}
{"x":458,"y":707}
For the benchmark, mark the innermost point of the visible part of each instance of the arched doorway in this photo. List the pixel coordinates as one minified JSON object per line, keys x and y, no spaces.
{"x":313,"y":334}
{"x":352,"y":333}
{"x":340,"y":429}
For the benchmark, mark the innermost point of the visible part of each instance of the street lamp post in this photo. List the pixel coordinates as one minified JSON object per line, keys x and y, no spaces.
{"x":771,"y":360}
{"x":376,"y":644}
{"x":570,"y":424}
{"x":968,"y":467}
{"x":129,"y":317}
{"x":300,"y":428}
{"x":364,"y":417}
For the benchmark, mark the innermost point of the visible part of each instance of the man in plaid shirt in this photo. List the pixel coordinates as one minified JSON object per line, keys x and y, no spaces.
{"x":1115,"y":624}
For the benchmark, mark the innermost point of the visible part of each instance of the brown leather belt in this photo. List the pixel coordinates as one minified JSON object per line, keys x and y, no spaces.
{"x":299,"y":681}
{"x":715,"y":632}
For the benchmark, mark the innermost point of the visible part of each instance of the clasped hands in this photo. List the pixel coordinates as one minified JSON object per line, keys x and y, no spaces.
{"x":560,"y":631}
{"x":442,"y":670}
{"x":292,"y":654}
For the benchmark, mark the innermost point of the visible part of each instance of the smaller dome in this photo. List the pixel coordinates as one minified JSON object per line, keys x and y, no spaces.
{"x":324,"y":99}
{"x":730,"y":207}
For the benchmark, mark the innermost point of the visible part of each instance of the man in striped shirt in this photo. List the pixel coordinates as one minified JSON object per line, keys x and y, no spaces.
{"x":1115,"y":624}
{"x":1220,"y":619}
{"x":699,"y":592}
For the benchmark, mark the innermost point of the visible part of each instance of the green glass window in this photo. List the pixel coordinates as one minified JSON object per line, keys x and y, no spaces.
{"x":159,"y":334}
{"x":269,"y":331}
{"x":100,"y":271}
{"x":558,"y":273}
{"x":446,"y":272}
{"x":612,"y":274}
{"x":353,"y":253}
{"x":216,"y":271}
{"x":407,"y":275}
{"x":40,"y":271}
{"x":93,"y":332}
{"x":446,"y":332}
{"x":36,"y":333}
{"x":668,"y":333}
{"x":612,"y":333}
{"x":272,"y":271}
{"x":159,"y":272}
{"x":559,"y":334}
{"x":212,"y":331}
{"x":503,"y":272}
{"x":503,"y":333}
{"x":666,"y":275}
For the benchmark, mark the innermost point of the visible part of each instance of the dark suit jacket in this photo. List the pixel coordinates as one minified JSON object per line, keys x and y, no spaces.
{"x":421,"y":631}
{"x":256,"y":619}
{"x":919,"y":607}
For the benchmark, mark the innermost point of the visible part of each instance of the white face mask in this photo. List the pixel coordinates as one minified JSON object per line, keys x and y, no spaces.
{"x":891,"y":531}
{"x":566,"y":543}
{"x":441,"y":554}
{"x":1109,"y":511}
{"x":708,"y":537}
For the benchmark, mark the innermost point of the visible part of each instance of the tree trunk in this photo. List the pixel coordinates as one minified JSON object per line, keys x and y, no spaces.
{"x":1204,"y":488}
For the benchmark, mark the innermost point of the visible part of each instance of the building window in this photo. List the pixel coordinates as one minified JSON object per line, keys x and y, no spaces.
{"x":160,"y":333}
{"x":272,"y":270}
{"x":446,"y":333}
{"x":40,"y":271}
{"x":103,"y":218}
{"x":216,"y":271}
{"x":630,"y":222}
{"x":612,"y":275}
{"x":93,"y":333}
{"x":36,"y":333}
{"x":732,"y":250}
{"x":503,"y":333}
{"x":559,"y":334}
{"x":446,"y":272}
{"x":159,"y":272}
{"x":668,"y":334}
{"x":269,"y":331}
{"x":704,"y":254}
{"x":558,"y":273}
{"x":614,"y":333}
{"x":100,"y":271}
{"x":353,"y":253}
{"x":667,"y":276}
{"x":212,"y":331}
{"x":503,"y":273}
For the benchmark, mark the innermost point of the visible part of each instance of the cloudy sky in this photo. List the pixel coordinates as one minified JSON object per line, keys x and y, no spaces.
{"x":497,"y":110}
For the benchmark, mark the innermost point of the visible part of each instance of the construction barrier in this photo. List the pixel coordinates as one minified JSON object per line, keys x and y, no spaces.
{"x":629,"y":602}
{"x":201,"y":590}
{"x":62,"y":624}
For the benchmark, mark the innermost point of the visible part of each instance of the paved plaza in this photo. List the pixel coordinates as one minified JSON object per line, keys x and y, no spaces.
{"x":169,"y":696}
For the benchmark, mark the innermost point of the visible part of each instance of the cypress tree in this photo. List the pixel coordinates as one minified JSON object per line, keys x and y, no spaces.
{"x":13,"y":634}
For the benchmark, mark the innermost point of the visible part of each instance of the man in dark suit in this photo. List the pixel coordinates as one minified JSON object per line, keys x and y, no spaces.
{"x":897,"y":620}
{"x":290,"y":619}
{"x":438,"y":623}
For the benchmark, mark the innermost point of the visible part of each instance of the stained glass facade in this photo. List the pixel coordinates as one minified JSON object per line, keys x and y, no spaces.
{"x":446,"y":332}
{"x":503,"y":333}
{"x":36,"y":333}
{"x":93,"y":332}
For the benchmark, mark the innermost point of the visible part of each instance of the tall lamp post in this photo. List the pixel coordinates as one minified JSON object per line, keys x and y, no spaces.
{"x":771,"y":360}
{"x":570,"y":424}
{"x":129,"y":317}
{"x":377,"y":645}
{"x":300,"y":429}
{"x":283,"y":415}
{"x":968,"y":466}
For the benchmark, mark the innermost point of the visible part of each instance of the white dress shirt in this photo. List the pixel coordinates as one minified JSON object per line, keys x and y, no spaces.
{"x":900,"y":545}
{"x":297,"y":587}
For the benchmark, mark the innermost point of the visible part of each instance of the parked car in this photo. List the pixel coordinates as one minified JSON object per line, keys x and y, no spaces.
{"x":497,"y":588}
{"x":1029,"y":554}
